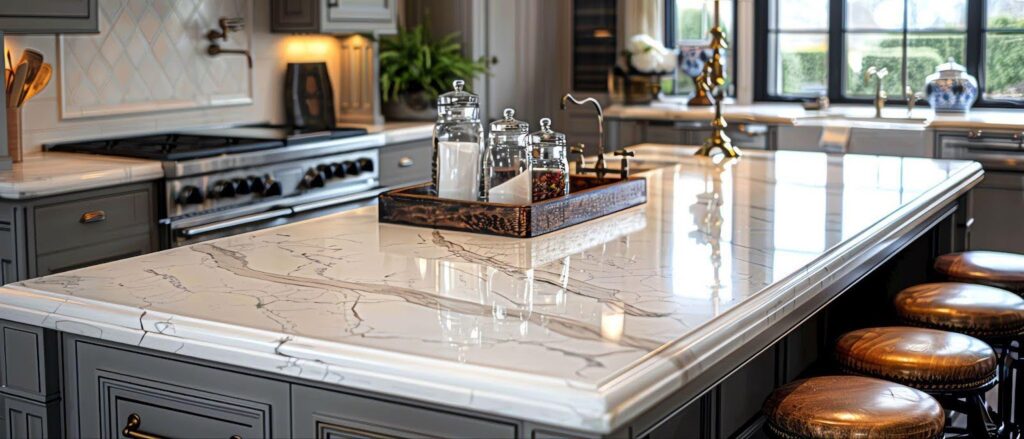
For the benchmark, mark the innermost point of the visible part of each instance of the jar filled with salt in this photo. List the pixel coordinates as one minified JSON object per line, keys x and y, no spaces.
{"x":507,"y":161}
{"x":550,"y":163}
{"x":458,"y":145}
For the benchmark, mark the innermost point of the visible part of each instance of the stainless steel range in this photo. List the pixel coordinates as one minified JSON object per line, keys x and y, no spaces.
{"x":225,"y":182}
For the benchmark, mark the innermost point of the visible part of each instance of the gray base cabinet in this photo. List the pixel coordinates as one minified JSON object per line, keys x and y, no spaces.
{"x":64,"y":232}
{"x":324,"y":414}
{"x":107,"y":386}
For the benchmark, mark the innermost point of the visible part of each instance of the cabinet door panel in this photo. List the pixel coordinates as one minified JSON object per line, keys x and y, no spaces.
{"x":407,"y":163}
{"x":998,"y":209}
{"x":324,"y":414}
{"x":45,"y":8}
{"x":105,"y":386}
{"x":358,"y":16}
{"x":48,"y":16}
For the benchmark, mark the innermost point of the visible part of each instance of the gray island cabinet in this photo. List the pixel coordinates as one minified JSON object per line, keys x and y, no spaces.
{"x":669,"y":320}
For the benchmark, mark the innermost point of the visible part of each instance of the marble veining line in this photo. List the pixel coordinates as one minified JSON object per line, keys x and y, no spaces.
{"x":237,"y":264}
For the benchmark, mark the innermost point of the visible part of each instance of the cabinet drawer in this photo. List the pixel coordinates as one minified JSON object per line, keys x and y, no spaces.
{"x":93,"y":254}
{"x":323,"y":414}
{"x":167,"y":398}
{"x":77,"y":223}
{"x":406,"y":163}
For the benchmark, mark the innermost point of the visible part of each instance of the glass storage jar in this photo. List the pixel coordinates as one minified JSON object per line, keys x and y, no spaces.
{"x":458,"y":145}
{"x":550,"y":164}
{"x":507,"y":162}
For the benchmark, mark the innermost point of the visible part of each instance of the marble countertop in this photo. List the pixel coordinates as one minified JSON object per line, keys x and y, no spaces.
{"x":53,"y":173}
{"x":786,"y":113}
{"x":584,"y":328}
{"x":401,"y":132}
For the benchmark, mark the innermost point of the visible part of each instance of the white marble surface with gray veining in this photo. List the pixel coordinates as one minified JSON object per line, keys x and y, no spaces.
{"x":583,"y":328}
{"x":55,"y":173}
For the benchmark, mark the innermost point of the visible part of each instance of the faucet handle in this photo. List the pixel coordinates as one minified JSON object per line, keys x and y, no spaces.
{"x":624,"y":153}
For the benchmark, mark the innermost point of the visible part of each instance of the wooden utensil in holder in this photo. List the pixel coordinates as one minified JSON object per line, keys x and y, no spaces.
{"x":14,"y":134}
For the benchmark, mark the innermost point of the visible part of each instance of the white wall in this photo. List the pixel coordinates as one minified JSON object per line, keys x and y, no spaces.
{"x":271,"y":52}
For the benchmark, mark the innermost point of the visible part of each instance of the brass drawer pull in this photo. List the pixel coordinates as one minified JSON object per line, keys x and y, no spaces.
{"x":95,"y":216}
{"x":405,"y":162}
{"x":131,"y":429}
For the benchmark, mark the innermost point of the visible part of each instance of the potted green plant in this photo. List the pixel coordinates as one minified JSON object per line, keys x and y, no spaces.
{"x":415,"y":69}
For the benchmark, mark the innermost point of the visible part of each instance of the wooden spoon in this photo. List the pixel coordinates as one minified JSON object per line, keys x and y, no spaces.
{"x":34,"y":61}
{"x":20,"y":75}
{"x":41,"y":81}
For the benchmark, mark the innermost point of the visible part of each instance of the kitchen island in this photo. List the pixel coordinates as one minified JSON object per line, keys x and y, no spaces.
{"x":671,"y":319}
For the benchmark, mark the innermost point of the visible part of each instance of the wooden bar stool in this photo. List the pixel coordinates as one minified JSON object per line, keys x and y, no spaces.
{"x":1002,"y":270}
{"x":852,"y":406}
{"x":993,"y":315}
{"x":955,"y":368}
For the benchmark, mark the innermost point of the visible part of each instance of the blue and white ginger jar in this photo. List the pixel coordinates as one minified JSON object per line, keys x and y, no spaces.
{"x":951,"y":88}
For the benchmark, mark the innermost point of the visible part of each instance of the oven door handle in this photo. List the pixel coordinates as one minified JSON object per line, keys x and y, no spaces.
{"x":234,"y":222}
{"x":330,"y":202}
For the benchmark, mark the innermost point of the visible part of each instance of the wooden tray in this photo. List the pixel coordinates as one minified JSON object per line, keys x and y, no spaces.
{"x":589,"y":198}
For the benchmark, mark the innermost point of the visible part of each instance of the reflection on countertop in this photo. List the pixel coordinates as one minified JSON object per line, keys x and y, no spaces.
{"x":786,"y":113}
{"x":563,"y":329}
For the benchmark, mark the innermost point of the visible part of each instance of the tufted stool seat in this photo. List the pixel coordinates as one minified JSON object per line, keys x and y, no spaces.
{"x":925,"y":359}
{"x":1003,"y":270}
{"x":852,"y":406}
{"x":977,"y":310}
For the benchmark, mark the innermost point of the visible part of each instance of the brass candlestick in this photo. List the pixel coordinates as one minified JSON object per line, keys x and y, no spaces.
{"x":714,"y":84}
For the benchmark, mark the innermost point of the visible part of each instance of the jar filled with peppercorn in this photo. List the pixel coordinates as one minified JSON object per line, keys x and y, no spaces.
{"x":550,"y":167}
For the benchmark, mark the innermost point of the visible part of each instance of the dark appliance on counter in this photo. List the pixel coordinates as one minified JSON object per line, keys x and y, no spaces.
{"x":308,"y":96}
{"x":224,"y":182}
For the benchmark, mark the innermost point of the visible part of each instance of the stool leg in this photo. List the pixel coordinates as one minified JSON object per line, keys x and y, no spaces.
{"x":978,"y":420}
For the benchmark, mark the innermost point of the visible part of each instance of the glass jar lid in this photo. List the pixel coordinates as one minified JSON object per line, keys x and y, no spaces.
{"x":546,"y":136}
{"x":458,"y":97}
{"x":509,"y":124}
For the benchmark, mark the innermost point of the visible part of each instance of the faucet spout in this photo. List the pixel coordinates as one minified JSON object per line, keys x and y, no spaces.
{"x":600,"y":123}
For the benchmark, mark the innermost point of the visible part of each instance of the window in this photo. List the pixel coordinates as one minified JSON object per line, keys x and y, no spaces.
{"x":1004,"y":50}
{"x":814,"y":47}
{"x":690,"y":20}
{"x":798,"y":31}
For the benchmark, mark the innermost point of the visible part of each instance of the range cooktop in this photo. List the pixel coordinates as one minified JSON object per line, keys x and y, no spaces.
{"x":170,"y":147}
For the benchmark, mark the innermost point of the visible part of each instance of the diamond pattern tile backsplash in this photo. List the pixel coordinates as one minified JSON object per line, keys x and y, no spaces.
{"x":150,"y":55}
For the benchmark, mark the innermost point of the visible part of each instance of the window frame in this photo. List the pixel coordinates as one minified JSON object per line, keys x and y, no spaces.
{"x":974,"y":59}
{"x":671,"y":41}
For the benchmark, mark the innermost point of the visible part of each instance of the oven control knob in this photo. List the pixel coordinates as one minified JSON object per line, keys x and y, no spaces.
{"x":273,"y":188}
{"x":326,"y":170}
{"x":241,"y":186}
{"x":340,"y":170}
{"x":313,"y":179}
{"x":256,"y":184}
{"x":190,"y":195}
{"x":365,"y":165}
{"x":351,"y":168}
{"x":222,"y":189}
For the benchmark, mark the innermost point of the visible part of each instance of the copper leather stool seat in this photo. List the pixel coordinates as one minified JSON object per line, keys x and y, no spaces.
{"x":977,"y":310}
{"x":851,"y":406}
{"x":926,"y":359}
{"x":1003,"y":270}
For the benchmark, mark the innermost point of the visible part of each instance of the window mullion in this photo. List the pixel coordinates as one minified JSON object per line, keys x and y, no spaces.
{"x":905,"y":75}
{"x":975,"y":58}
{"x":836,"y":49}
